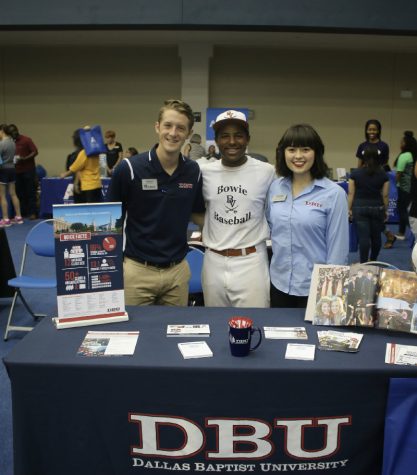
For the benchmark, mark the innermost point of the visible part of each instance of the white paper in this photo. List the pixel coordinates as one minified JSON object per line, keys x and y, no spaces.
{"x":285,"y":333}
{"x":401,"y":354}
{"x":195,"y":349}
{"x":200,"y":329}
{"x":297,"y":351}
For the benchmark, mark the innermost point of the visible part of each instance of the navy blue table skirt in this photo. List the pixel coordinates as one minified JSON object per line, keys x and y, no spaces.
{"x":156,"y":413}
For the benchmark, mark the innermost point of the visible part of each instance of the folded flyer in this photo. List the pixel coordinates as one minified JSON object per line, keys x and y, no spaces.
{"x":289,"y":333}
{"x":401,"y":354}
{"x":201,"y":329}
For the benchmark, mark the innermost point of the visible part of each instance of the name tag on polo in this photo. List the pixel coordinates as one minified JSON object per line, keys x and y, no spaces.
{"x":278,"y":198}
{"x":149,"y":184}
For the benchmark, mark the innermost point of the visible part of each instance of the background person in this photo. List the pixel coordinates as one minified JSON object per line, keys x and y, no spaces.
{"x":159,"y":190}
{"x":211,"y":152}
{"x":235,"y":269}
{"x":404,"y":170}
{"x":412,"y":214}
{"x":114,"y":151}
{"x":8,"y":178}
{"x":373,"y":129}
{"x":87,"y":170}
{"x":196,"y":149}
{"x":26,"y":178}
{"x":211,"y":156}
{"x":76,"y":141}
{"x":368,"y":203}
{"x":130,"y":152}
{"x":186,"y":150}
{"x":307,"y":215}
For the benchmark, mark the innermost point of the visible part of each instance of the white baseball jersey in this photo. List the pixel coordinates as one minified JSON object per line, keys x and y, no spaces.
{"x":235,"y":204}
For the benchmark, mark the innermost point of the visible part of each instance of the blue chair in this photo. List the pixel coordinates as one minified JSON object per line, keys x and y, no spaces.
{"x":41,"y":172}
{"x":195,"y":259}
{"x":41,"y":240}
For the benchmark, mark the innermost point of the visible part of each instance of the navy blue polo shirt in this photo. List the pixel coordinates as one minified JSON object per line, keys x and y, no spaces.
{"x":156,"y":206}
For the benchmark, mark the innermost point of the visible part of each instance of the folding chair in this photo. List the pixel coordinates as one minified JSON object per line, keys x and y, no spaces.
{"x":41,"y":240}
{"x":195,"y":259}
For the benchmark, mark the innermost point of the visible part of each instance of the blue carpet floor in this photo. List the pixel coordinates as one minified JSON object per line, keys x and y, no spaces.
{"x":45,"y":301}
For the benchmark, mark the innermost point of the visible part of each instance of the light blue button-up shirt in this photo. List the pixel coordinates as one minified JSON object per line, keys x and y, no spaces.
{"x":310,"y":229}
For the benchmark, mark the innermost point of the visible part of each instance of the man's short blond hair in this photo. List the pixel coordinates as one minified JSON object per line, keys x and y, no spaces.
{"x":179,"y":106}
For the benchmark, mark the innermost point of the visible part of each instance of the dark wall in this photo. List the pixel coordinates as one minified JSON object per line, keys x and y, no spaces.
{"x":385,"y":16}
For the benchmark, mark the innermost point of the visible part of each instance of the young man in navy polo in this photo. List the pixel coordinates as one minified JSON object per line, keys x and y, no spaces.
{"x":159,"y":190}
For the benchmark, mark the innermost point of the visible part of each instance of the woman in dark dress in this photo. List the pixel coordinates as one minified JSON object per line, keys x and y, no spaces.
{"x":368,"y":203}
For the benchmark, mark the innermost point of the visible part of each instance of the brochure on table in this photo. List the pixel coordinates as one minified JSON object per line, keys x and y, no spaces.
{"x":363,"y":295}
{"x":277,"y":333}
{"x":89,"y":264}
{"x":197,"y":330}
{"x":339,"y":341}
{"x":105,"y":343}
{"x":401,"y":354}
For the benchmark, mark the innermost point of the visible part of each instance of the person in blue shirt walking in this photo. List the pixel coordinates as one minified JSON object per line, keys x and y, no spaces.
{"x":307,"y":214}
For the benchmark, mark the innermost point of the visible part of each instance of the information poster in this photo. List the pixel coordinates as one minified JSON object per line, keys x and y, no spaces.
{"x":89,"y":260}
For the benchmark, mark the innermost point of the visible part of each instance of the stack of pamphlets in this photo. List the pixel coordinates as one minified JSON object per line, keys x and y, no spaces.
{"x":297,"y":351}
{"x":108,"y":343}
{"x":401,"y":354}
{"x":339,"y":341}
{"x":285,"y":333}
{"x":195,"y":349}
{"x":198,"y":330}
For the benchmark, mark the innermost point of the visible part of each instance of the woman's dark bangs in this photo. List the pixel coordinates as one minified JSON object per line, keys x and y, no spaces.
{"x":300,"y":137}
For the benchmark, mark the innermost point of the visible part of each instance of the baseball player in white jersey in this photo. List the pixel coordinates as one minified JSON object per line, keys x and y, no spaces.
{"x":235,"y":271}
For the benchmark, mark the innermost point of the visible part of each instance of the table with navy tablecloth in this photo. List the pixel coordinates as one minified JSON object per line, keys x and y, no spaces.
{"x":155,"y":412}
{"x":55,"y":190}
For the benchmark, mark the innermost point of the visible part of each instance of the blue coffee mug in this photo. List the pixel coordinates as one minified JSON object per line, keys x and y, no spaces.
{"x":241,"y":330}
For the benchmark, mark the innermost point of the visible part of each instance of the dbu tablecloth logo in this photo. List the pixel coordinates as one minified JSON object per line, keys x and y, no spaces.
{"x":236,"y":439}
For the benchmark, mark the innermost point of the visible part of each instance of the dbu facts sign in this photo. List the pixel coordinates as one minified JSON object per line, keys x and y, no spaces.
{"x":173,"y":443}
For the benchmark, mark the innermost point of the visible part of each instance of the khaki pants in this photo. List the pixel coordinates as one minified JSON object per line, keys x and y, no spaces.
{"x":147,"y":285}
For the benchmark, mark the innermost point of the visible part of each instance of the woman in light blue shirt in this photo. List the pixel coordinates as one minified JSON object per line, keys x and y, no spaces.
{"x":307,"y":214}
